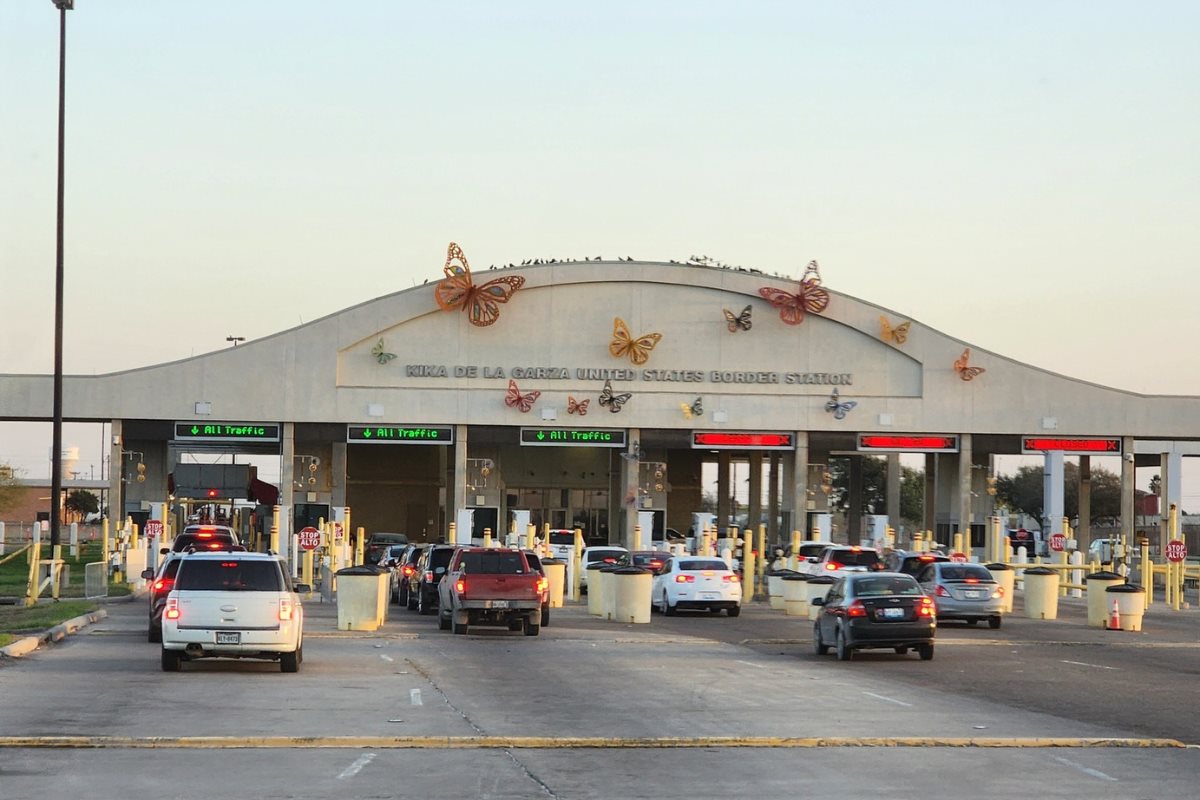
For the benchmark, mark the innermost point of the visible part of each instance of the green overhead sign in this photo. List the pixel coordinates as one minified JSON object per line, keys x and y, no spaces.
{"x":573,"y":437}
{"x":226,"y":432}
{"x":400,"y":434}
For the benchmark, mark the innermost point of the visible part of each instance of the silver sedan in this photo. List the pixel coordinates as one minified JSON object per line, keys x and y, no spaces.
{"x":963,"y":591}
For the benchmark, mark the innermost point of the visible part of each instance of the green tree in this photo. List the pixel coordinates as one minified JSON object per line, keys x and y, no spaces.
{"x":1024,"y":492}
{"x":10,"y":487}
{"x":912,"y":489}
{"x":81,"y":503}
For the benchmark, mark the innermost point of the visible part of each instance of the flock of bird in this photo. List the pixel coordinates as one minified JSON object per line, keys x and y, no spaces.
{"x":692,"y":261}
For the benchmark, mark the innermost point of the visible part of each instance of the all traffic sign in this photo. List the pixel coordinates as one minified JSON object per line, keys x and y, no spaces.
{"x":1176,"y":550}
{"x":1058,"y":542}
{"x":309,"y":538}
{"x":154,"y":528}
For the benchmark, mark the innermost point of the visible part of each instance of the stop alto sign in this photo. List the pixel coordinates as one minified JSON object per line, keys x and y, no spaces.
{"x":154,"y":528}
{"x":1176,"y":550}
{"x":309,"y":538}
{"x":1058,"y":542}
{"x":958,"y":558}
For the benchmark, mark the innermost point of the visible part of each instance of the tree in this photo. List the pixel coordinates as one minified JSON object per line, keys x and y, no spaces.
{"x":10,"y":487}
{"x":912,"y":490}
{"x":1024,"y":492}
{"x":81,"y":503}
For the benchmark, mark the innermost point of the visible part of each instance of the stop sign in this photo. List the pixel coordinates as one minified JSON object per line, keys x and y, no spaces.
{"x":1058,"y":542}
{"x":1176,"y":550}
{"x":309,"y":538}
{"x":154,"y":528}
{"x":959,"y":558}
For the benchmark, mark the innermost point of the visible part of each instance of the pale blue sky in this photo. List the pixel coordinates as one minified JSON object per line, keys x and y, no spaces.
{"x":1021,"y":175}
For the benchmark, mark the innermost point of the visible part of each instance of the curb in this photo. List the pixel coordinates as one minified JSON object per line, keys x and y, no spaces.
{"x":28,"y":644}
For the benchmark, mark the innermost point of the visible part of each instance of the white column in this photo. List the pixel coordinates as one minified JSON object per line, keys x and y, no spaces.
{"x":1052,"y":493}
{"x":966,"y":458}
{"x":1127,"y":488}
{"x":795,"y":477}
{"x":74,"y":539}
{"x":630,"y":469}
{"x":458,"y":494}
{"x":893,"y":489}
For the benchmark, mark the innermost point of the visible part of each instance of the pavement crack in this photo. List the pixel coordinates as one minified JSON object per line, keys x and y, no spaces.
{"x":445,"y":698}
{"x":521,"y":765}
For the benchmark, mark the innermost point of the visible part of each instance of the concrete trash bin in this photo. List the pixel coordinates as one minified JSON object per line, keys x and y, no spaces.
{"x":594,"y":596}
{"x":817,"y":586}
{"x":1131,"y":604}
{"x":795,"y":594}
{"x":1041,"y":593}
{"x":362,"y":597}
{"x":556,"y":576}
{"x":630,"y":590}
{"x":775,"y":589}
{"x":1099,"y":604}
{"x":1004,"y":575}
{"x":604,"y":585}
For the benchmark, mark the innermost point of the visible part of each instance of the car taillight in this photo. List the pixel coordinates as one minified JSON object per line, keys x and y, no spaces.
{"x":428,"y":576}
{"x":972,"y":580}
{"x":999,"y":593}
{"x":941,"y":591}
{"x":731,"y":579}
{"x":856,"y":609}
{"x":163,"y":585}
{"x":833,"y":565}
{"x":204,"y":535}
{"x":927,"y":608}
{"x":685,"y":578}
{"x":460,"y":586}
{"x":407,"y":570}
{"x":285,"y":610}
{"x":172,"y":609}
{"x":542,"y":585}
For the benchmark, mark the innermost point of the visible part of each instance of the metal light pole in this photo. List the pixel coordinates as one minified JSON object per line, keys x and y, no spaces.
{"x":63,"y":7}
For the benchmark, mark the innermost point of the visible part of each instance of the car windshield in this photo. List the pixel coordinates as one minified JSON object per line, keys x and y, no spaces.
{"x":240,"y":575}
{"x":962,"y":572}
{"x":886,"y":587}
{"x":498,"y":563}
{"x":697,"y":565}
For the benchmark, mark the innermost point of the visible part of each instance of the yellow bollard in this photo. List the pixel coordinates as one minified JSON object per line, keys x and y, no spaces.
{"x":916,"y":541}
{"x":133,"y":536}
{"x":56,"y":570}
{"x":359,"y":545}
{"x":35,"y":558}
{"x":452,"y":534}
{"x":958,"y":543}
{"x":795,"y":561}
{"x":308,"y":570}
{"x":577,"y":564}
{"x":747,"y":567}
{"x":530,"y":536}
{"x":815,"y":534}
{"x":763,"y":559}
{"x":276,"y":514}
{"x":105,"y":555}
{"x":1007,"y":550}
{"x":487,"y":537}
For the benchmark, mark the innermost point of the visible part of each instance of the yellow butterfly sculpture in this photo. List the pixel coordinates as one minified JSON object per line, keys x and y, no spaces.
{"x":898,"y":334}
{"x":963,"y":368}
{"x":623,"y":344}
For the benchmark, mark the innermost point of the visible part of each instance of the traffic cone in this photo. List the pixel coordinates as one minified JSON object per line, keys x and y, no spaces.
{"x":1114,"y":619}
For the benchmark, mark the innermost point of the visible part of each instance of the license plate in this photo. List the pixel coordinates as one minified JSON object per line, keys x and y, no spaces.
{"x":226,"y":637}
{"x":892,"y":613}
{"x":973,"y":595}
{"x":709,"y":595}
{"x":497,"y":604}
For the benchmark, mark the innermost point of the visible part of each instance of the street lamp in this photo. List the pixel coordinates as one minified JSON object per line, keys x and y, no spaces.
{"x":63,"y":7}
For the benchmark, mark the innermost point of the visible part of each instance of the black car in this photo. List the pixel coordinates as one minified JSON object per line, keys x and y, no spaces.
{"x":875,"y":610}
{"x":205,"y":537}
{"x":910,"y":562}
{"x":379,"y":543}
{"x":161,"y":584}
{"x":406,"y":565}
{"x":423,"y":586}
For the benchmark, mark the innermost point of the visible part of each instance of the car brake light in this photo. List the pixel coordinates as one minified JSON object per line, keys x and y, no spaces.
{"x":924,"y":558}
{"x":685,"y":578}
{"x":542,"y":585}
{"x":172,"y":609}
{"x":927,"y":608}
{"x":833,"y":565}
{"x":941,"y":591}
{"x":855,"y":549}
{"x":163,"y":584}
{"x":972,"y":580}
{"x":204,"y":535}
{"x":460,"y":586}
{"x":999,"y":593}
{"x":731,"y":579}
{"x":285,"y":610}
{"x":428,"y":576}
{"x":407,"y":570}
{"x":856,"y":609}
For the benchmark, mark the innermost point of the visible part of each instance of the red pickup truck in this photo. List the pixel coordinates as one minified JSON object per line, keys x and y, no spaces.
{"x":490,"y":586}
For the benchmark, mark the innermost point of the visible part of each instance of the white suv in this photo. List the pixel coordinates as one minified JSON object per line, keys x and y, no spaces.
{"x":232,"y":604}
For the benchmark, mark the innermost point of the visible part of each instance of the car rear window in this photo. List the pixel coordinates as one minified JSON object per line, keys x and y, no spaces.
{"x":562,"y":537}
{"x":235,"y":575}
{"x":602,"y":555}
{"x":201,"y":541}
{"x":440,"y":557}
{"x":696,"y":565}
{"x":650,"y":559}
{"x":807,"y":550}
{"x":886,"y":587}
{"x":960,"y":572}
{"x":499,"y":563}
{"x":855,"y":558}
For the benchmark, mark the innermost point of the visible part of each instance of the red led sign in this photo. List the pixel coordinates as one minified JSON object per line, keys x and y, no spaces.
{"x":907,"y":444}
{"x":742,"y":441}
{"x":1040,"y":444}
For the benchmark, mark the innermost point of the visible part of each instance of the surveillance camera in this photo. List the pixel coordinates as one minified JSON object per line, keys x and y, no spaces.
{"x":1129,"y":457}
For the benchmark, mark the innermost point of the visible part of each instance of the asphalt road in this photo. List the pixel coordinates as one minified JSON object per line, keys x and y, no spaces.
{"x":414,"y":712}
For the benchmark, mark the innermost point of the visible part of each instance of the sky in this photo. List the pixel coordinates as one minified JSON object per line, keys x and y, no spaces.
{"x":1021,"y":175}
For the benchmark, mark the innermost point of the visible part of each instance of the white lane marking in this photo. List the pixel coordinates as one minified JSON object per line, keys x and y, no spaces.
{"x":1085,"y":664}
{"x":1095,"y":773}
{"x":415,"y":696}
{"x":356,"y":767}
{"x":888,"y":699}
{"x":752,"y":664}
{"x":386,"y":658}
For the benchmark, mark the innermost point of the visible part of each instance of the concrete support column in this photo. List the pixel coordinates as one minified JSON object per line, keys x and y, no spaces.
{"x":854,"y":513}
{"x":287,"y":484}
{"x":966,"y":459}
{"x":1083,"y":531}
{"x":893,"y":490}
{"x":337,"y":472}
{"x":1171,"y":474}
{"x":1052,"y":493}
{"x":630,"y":471}
{"x":931,"y":464}
{"x":723,"y":490}
{"x":456,"y":500}
{"x":116,"y":495}
{"x":754,"y":514}
{"x":1128,"y":473}
{"x":773,"y":499}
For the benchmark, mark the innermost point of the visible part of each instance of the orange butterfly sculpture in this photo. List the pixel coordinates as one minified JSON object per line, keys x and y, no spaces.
{"x":576,"y":406}
{"x":898,"y":333}
{"x":623,"y":344}
{"x":811,"y":297}
{"x":965,"y":372}
{"x":457,"y":290}
{"x":515,"y":399}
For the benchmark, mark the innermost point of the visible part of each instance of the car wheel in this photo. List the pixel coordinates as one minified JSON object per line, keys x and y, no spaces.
{"x":994,"y":622}
{"x":901,"y":651}
{"x":925,"y":651}
{"x":531,"y":629}
{"x":668,"y":609}
{"x":844,"y":653}
{"x":443,"y":621}
{"x":459,"y":628}
{"x":423,"y":604}
{"x":819,"y":647}
{"x":290,"y":662}
{"x":171,"y":660}
{"x":733,"y":611}
{"x":154,"y":634}
{"x":971,"y":623}
{"x":545,"y":616}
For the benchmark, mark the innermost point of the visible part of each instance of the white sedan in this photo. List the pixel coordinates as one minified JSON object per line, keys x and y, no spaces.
{"x":698,"y":582}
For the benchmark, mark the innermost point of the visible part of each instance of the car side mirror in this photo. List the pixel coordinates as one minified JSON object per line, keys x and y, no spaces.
{"x":162,"y":551}
{"x":817,"y":601}
{"x":147,"y":574}
{"x":302,"y":588}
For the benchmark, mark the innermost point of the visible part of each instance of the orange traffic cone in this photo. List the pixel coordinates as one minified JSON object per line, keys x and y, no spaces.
{"x":1114,"y":619}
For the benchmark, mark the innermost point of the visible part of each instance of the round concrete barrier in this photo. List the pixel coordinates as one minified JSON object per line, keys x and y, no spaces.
{"x":775,"y":586}
{"x":556,"y":576}
{"x":795,"y":594}
{"x":630,"y":587}
{"x":1006,"y":577}
{"x":1098,"y":602}
{"x":817,"y":586}
{"x":1131,"y":604}
{"x":1041,"y":593}
{"x":595,"y":608}
{"x":604,"y":588}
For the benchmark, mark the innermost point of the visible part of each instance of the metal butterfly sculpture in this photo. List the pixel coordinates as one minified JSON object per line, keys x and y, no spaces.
{"x":458,"y":290}
{"x":380,"y":354}
{"x":611,"y":400}
{"x":515,"y":399}
{"x":838,"y":407}
{"x":811,"y":298}
{"x":897,"y":334}
{"x":738,"y":322}
{"x":695,"y":409}
{"x":966,"y":372}
{"x":623,"y":344}
{"x":577,"y":406}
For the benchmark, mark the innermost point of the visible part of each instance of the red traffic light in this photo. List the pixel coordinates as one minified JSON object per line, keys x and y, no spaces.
{"x":212,"y":492}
